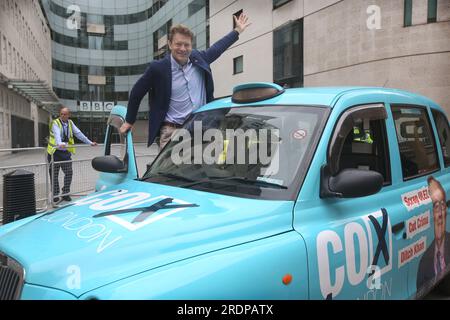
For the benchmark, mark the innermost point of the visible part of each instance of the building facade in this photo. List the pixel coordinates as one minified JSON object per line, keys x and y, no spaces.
{"x":101,"y":48}
{"x":25,"y":74}
{"x":401,"y":44}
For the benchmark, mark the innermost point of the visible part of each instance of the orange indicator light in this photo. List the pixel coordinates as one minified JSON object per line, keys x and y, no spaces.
{"x":287,"y":279}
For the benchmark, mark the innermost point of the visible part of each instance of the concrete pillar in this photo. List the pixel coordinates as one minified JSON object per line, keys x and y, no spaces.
{"x":35,"y":118}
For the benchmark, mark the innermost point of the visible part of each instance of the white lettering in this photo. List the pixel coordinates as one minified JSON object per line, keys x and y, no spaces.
{"x":104,"y":243}
{"x":354,"y":229}
{"x":96,"y":197}
{"x":82,"y":232}
{"x":326,"y":287}
{"x":120,"y":201}
{"x":74,"y":279}
{"x":374,"y":20}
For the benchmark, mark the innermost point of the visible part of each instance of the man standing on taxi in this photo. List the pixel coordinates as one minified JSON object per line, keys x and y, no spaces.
{"x":178,"y":84}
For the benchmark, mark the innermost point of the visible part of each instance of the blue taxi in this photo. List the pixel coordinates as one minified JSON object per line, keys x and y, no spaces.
{"x":272,"y":193}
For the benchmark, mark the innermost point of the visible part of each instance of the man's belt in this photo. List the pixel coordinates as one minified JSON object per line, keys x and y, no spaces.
{"x":171,"y":124}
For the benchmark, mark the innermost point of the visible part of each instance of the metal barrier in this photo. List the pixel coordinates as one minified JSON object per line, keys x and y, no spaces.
{"x":83,"y":175}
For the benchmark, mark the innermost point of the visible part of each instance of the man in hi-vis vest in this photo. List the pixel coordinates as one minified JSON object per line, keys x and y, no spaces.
{"x":60,"y":145}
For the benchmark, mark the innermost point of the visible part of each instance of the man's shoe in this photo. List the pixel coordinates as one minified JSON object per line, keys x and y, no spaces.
{"x":56,"y":199}
{"x":67,"y":198}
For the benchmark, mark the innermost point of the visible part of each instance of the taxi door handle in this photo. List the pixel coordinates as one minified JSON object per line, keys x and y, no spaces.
{"x":398,"y":227}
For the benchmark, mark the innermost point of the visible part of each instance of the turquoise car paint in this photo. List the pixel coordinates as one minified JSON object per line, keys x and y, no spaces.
{"x":332,"y":222}
{"x":232,"y":273}
{"x":108,"y":248}
{"x":16,"y":224}
{"x":32,"y":292}
{"x":219,"y":246}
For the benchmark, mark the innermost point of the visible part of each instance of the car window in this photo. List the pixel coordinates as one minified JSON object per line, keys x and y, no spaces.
{"x":264,"y":151}
{"x":443,"y":130}
{"x":366,"y":148}
{"x":415,"y":140}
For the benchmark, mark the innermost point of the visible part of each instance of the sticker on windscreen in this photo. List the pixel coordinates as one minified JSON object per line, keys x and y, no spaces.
{"x":299,"y":134}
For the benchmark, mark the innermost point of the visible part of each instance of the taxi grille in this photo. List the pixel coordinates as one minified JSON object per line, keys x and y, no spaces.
{"x":11,"y":278}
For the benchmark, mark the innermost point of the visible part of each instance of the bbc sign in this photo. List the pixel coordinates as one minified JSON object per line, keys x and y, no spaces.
{"x":96,"y":106}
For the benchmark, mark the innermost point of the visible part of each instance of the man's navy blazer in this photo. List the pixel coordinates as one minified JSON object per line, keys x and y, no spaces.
{"x":426,"y":273}
{"x":157,"y":81}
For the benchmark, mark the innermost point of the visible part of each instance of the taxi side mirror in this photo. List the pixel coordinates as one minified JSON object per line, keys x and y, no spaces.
{"x":110,"y":164}
{"x":350,"y":183}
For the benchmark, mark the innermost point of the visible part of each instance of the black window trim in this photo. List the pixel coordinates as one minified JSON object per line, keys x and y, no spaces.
{"x":423,"y":107}
{"x":234,"y":65}
{"x":385,"y":136}
{"x":438,"y":138}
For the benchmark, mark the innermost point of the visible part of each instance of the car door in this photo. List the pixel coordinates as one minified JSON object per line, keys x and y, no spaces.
{"x":119,"y":146}
{"x":426,"y":184}
{"x":353,"y":237}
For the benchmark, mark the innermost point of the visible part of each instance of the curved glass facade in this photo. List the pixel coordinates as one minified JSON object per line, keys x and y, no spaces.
{"x":101,"y":48}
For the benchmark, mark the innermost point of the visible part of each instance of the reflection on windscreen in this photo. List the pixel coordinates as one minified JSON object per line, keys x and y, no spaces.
{"x":253,"y":150}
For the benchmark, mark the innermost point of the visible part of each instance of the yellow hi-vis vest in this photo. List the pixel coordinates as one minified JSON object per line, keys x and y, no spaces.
{"x":51,"y":147}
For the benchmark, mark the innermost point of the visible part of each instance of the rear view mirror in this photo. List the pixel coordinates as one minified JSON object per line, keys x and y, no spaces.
{"x":350,"y":183}
{"x":110,"y":164}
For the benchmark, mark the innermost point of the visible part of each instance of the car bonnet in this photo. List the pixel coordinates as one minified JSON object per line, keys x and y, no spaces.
{"x":101,"y":238}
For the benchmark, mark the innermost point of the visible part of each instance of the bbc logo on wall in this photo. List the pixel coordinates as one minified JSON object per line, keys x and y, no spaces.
{"x":96,"y":106}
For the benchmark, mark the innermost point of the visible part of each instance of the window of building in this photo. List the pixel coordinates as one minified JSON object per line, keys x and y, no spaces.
{"x":195,"y":6}
{"x":237,"y":14}
{"x":1,"y":126}
{"x":279,"y":3}
{"x":4,"y":50}
{"x":7,"y":120}
{"x":14,"y":62}
{"x":238,"y":65}
{"x":408,"y":13}
{"x":122,"y":96}
{"x":288,"y":55}
{"x":432,"y":7}
{"x":17,"y":73}
{"x":9,"y":60}
{"x":160,"y":38}
{"x":432,"y":11}
{"x":416,"y":142}
{"x":95,"y":43}
{"x":443,"y":130}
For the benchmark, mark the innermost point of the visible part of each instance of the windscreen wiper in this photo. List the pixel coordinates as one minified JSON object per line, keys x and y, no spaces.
{"x":239,"y":179}
{"x":145,"y":212}
{"x":169,"y":175}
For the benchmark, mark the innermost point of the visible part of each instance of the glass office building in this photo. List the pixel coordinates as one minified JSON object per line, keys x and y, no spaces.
{"x":100,"y":48}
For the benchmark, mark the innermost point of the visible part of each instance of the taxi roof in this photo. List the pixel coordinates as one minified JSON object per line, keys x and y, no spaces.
{"x":327,"y":96}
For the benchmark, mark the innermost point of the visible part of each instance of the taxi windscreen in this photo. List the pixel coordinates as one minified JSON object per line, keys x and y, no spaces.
{"x":258,"y":152}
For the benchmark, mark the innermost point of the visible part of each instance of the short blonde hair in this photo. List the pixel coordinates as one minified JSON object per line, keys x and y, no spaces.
{"x":181,"y":29}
